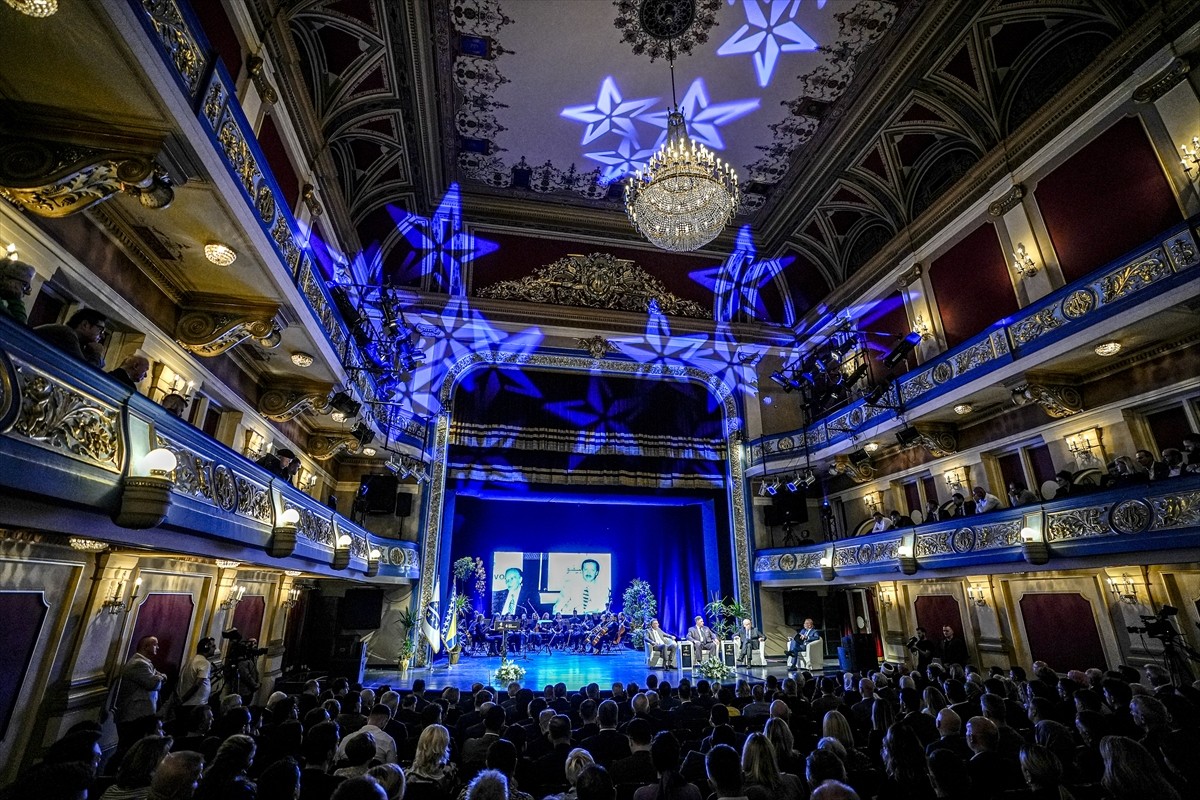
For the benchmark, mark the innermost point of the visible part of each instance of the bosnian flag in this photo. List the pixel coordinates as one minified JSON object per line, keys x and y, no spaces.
{"x":431,"y":620}
{"x":450,"y":625}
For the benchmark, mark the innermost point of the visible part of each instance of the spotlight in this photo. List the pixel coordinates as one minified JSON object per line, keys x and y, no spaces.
{"x":392,"y":465}
{"x":793,"y":485}
{"x":778,"y":377}
{"x":809,"y":478}
{"x":901,"y":350}
{"x":860,"y":457}
{"x":907,"y":437}
{"x":877,"y":393}
{"x":855,"y":376}
{"x":346,"y":404}
{"x":772,"y":488}
{"x":364,"y":434}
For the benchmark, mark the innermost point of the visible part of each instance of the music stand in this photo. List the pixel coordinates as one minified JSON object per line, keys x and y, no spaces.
{"x":505,"y":627}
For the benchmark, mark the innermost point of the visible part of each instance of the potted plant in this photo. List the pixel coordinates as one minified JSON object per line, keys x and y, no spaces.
{"x":726,"y":616}
{"x":461,"y":607}
{"x":408,"y":621}
{"x":406,"y":653}
{"x":640,"y":606}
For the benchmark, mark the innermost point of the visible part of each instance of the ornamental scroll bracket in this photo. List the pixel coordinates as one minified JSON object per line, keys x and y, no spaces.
{"x":939,"y":440}
{"x":284,"y":402}
{"x":54,"y":171}
{"x":1010,"y":200}
{"x":212,"y":328}
{"x":1175,"y":73}
{"x":324,"y":445}
{"x":1057,"y":400}
{"x":859,"y":473}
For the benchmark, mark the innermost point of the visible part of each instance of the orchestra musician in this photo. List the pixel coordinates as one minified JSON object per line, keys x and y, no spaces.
{"x":606,"y":631}
{"x":480,"y":632}
{"x":663,"y":643}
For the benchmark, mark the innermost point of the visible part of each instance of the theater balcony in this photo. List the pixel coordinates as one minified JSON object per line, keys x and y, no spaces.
{"x":83,"y":456}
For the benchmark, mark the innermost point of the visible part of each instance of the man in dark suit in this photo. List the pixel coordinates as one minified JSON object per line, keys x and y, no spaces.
{"x":608,"y":745}
{"x":320,"y":743}
{"x":474,"y":751}
{"x":952,"y":649}
{"x":516,"y":597}
{"x":990,"y":772}
{"x":703,"y":639}
{"x":949,"y":727}
{"x":637,"y":768}
{"x":750,"y":637}
{"x":549,"y":768}
{"x":798,"y":643}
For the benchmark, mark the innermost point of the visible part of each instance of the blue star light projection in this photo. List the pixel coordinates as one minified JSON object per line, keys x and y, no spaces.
{"x":738,"y":282}
{"x":611,"y":116}
{"x":442,"y":248}
{"x":770,"y":30}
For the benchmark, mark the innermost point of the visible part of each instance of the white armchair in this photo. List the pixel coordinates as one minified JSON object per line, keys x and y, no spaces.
{"x":758,"y":656}
{"x":811,"y":656}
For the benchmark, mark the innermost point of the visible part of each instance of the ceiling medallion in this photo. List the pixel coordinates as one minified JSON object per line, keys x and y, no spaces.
{"x":302,"y":359}
{"x":653,"y":27}
{"x":1108,"y":348}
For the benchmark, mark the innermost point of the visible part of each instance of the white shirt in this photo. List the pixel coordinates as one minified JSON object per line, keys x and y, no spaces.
{"x":989,"y":503}
{"x":385,"y":746}
{"x":884,"y":524}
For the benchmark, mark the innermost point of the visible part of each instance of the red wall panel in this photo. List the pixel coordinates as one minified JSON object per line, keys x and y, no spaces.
{"x":23,"y":614}
{"x":248,"y":616}
{"x":168,"y":617}
{"x":972,"y":285}
{"x":220,"y":33}
{"x":936,"y":610}
{"x":1062,"y":631}
{"x":1106,"y":200}
{"x":271,"y":143}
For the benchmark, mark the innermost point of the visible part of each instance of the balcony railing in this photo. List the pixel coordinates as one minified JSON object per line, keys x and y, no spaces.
{"x":1162,"y":517}
{"x":71,"y":439}
{"x":1166,"y":263}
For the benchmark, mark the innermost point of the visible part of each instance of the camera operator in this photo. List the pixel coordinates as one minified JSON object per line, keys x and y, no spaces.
{"x":241,"y":665}
{"x":922,"y":648}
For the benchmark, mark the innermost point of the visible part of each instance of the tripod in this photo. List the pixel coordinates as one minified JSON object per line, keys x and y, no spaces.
{"x":1177,"y":657}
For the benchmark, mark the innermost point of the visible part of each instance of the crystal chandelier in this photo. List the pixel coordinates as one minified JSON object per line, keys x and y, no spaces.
{"x":35,"y":8}
{"x":685,"y":195}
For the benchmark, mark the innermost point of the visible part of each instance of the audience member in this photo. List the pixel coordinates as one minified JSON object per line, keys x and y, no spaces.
{"x":16,"y":282}
{"x":79,"y":337}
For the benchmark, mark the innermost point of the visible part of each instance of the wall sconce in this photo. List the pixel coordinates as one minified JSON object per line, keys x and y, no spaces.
{"x":1083,"y":446}
{"x":115,"y":605}
{"x":341,"y":552}
{"x":871,"y":500}
{"x":921,"y":328}
{"x":1036,"y":551}
{"x":954,"y":479}
{"x":293,"y":597}
{"x":1023,"y":263}
{"x":373,"y":562}
{"x":236,"y":593}
{"x":827,"y":572}
{"x":181,"y":387}
{"x":283,"y":535}
{"x":885,"y":602}
{"x":1123,"y":590}
{"x":1191,"y":157}
{"x":976,"y":596}
{"x":908,"y":562}
{"x":871,"y":447}
{"x":253,"y":445}
{"x":146,"y":498}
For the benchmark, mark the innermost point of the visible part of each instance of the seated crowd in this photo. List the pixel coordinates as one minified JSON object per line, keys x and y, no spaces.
{"x":949,"y":732}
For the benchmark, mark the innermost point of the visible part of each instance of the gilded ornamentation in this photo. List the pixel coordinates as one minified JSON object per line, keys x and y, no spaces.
{"x":252,"y":500}
{"x":264,"y":202}
{"x":1010,"y":200}
{"x":963,"y":540}
{"x":942,"y":372}
{"x":179,"y":42}
{"x":1131,"y":516}
{"x":1000,"y":534}
{"x":324,"y":446}
{"x":193,"y":473}
{"x":845,"y":556}
{"x":1077,"y":523}
{"x":932,"y":544}
{"x":9,"y":396}
{"x":1057,"y":400}
{"x":1176,"y":511}
{"x":282,"y":403}
{"x":1163,"y":82}
{"x":865,"y":554}
{"x":214,"y":103}
{"x":1035,"y":326}
{"x":224,"y":491}
{"x":766,"y":563}
{"x":1182,"y":251}
{"x":859,"y":473}
{"x":917,"y":385}
{"x":939,"y":441}
{"x":598,"y":280}
{"x":211,"y":331}
{"x":1079,"y":303}
{"x":1133,"y":278}
{"x":55,"y":416}
{"x":597,"y":346}
{"x":787,"y":562}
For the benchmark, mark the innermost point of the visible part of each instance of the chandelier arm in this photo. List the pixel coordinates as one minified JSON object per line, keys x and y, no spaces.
{"x":671,"y":61}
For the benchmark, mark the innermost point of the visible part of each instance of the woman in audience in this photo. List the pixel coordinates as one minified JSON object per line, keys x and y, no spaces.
{"x":933,"y":701}
{"x":577,"y":761}
{"x":763,"y":780}
{"x":1131,"y":773}
{"x":226,"y":778}
{"x":1043,"y":773}
{"x":906,"y":775}
{"x":431,"y":764}
{"x":835,"y":725}
{"x":1088,"y":765}
{"x":949,"y":776}
{"x":391,"y":778}
{"x":781,"y":738}
{"x":280,"y":781}
{"x":137,"y":767}
{"x":883,"y":716}
{"x":822,"y":766}
{"x":1057,"y":738}
{"x":664,"y":755}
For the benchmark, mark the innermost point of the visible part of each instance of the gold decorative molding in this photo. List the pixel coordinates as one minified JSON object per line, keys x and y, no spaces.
{"x":598,"y":280}
{"x":1058,"y":400}
{"x":597,"y":346}
{"x":256,"y":68}
{"x":1163,"y":82}
{"x":1010,"y":200}
{"x":59,"y":173}
{"x":911,"y":275}
{"x":211,"y":329}
{"x":859,"y":473}
{"x":939,"y":440}
{"x":285,"y":402}
{"x":323,"y":446}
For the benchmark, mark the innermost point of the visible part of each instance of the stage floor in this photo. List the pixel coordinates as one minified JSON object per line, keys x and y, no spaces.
{"x":573,"y":669}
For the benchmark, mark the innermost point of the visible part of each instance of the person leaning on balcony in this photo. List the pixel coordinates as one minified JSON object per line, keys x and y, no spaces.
{"x":16,"y":282}
{"x":984,"y":500}
{"x":79,"y":337}
{"x":882,"y":523}
{"x":1018,"y":495}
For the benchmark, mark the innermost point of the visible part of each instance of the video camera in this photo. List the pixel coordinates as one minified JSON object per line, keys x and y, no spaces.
{"x":1157,"y":626}
{"x":239,"y":647}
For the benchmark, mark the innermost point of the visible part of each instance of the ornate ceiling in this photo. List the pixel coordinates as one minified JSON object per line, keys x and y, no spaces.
{"x":845,"y":119}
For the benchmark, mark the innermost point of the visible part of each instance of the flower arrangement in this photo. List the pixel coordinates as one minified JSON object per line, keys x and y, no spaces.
{"x":714,"y":669}
{"x":640,"y":606}
{"x":508,"y":672}
{"x":467,"y":566}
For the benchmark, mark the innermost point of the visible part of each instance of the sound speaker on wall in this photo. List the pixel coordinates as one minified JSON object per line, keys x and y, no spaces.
{"x":404,"y":502}
{"x":361,"y":609}
{"x":791,"y":507}
{"x":381,"y":493}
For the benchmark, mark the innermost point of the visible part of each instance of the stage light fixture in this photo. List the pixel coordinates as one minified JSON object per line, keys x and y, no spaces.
{"x":345,"y":404}
{"x":778,"y":377}
{"x":854,"y":377}
{"x":907,"y":437}
{"x":810,"y":478}
{"x":901,"y":350}
{"x":877,"y":393}
{"x":364,"y":434}
{"x":860,"y":457}
{"x":772,"y":488}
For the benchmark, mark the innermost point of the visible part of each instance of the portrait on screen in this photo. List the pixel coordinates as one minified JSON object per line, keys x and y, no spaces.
{"x":566,"y":583}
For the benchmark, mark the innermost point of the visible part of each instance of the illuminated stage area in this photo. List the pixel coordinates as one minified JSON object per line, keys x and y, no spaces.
{"x":575,"y":670}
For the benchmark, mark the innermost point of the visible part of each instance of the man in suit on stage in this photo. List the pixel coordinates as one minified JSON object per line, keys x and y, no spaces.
{"x":800,"y":641}
{"x":750,"y":637}
{"x":702,"y":638}
{"x":662,"y":644}
{"x":516,"y":597}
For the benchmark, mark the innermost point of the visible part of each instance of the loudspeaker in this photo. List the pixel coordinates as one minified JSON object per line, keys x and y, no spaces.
{"x":404,"y":502}
{"x":361,"y":609}
{"x":352,"y":665}
{"x":771,"y":515}
{"x":344,"y":645}
{"x":792,"y":507}
{"x":728,"y":653}
{"x":381,"y":493}
{"x":907,"y":436}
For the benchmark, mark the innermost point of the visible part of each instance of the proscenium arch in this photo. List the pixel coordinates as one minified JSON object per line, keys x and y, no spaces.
{"x":431,"y":545}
